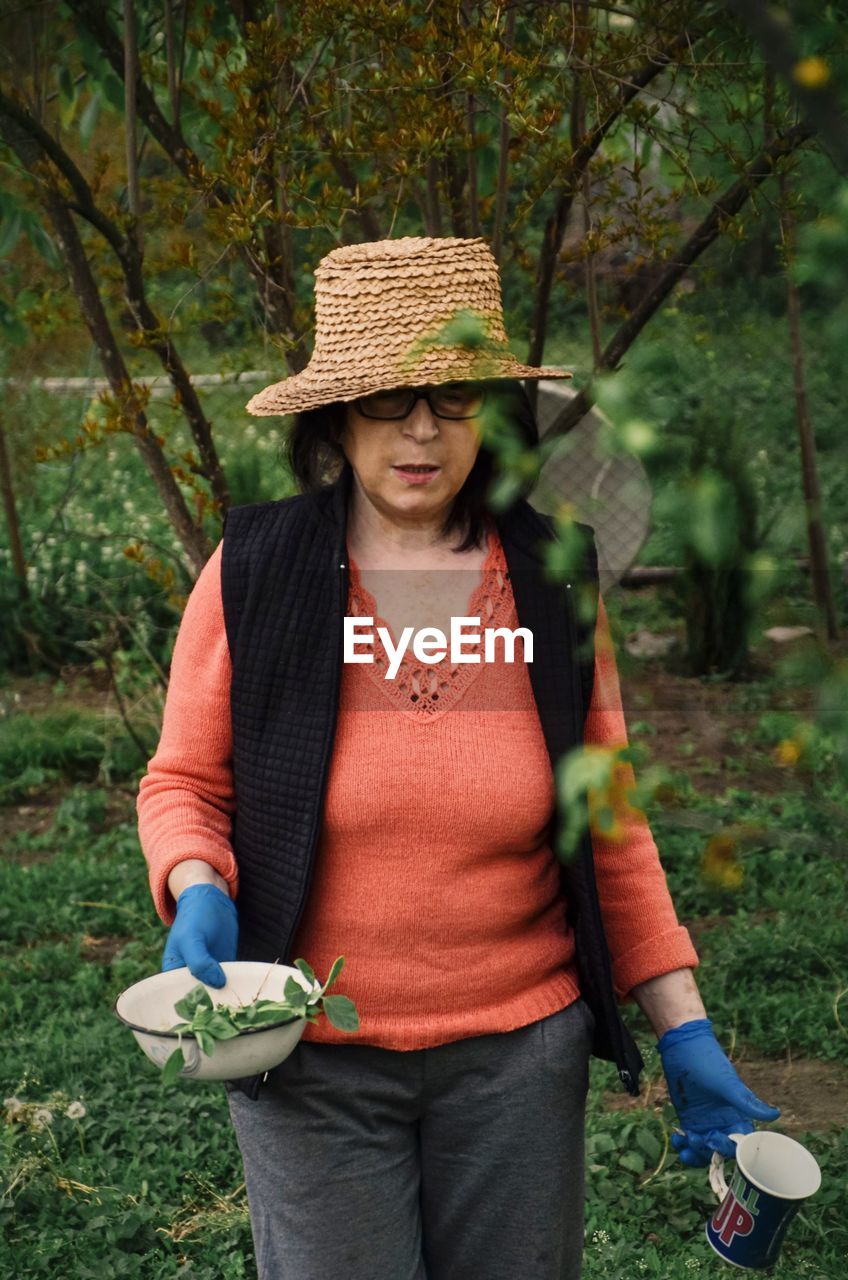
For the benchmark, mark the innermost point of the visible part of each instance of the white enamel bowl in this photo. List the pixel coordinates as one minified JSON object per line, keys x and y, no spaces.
{"x":147,"y":1008}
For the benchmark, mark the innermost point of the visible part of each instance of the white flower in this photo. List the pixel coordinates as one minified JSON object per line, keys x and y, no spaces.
{"x":75,"y":1111}
{"x":41,"y":1117}
{"x":600,"y":1237}
{"x":692,"y":1264}
{"x":14,"y":1108}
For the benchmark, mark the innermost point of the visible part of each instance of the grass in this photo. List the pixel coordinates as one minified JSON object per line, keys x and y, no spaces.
{"x":61,"y":746}
{"x":148,"y":1183}
{"x":34,"y":751}
{"x":104,"y":1191}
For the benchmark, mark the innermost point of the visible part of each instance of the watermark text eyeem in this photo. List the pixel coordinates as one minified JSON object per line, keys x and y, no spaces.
{"x":430,"y":644}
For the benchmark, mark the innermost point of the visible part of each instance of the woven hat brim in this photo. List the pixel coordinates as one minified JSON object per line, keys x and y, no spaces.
{"x":311,"y":390}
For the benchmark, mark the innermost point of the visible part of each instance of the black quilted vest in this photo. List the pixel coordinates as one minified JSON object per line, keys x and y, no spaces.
{"x":284,"y":582}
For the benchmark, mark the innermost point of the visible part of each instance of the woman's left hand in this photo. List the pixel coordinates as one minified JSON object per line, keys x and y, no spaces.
{"x":710,"y":1099}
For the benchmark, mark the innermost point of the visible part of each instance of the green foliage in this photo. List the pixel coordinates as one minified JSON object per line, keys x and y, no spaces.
{"x":35,"y":750}
{"x":105,"y":571}
{"x":146,"y":1183}
{"x":711,"y":512}
{"x":581,"y":773}
{"x":645,"y":1214}
{"x":706,"y":402}
{"x":67,"y":746}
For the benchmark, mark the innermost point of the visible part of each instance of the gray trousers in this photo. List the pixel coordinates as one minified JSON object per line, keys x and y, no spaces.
{"x":461,"y":1162}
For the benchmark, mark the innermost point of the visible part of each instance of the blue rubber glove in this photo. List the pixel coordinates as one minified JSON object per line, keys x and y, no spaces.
{"x":709,"y":1098}
{"x":204,"y":932}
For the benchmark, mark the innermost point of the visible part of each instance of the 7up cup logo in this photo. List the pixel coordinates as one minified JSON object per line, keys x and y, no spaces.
{"x":737,"y":1212}
{"x":749,"y":1225}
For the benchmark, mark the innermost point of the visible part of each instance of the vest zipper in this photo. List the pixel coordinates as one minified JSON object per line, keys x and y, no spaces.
{"x":579,"y":720}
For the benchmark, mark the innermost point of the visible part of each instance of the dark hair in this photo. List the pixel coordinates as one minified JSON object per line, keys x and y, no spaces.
{"x":315,"y":455}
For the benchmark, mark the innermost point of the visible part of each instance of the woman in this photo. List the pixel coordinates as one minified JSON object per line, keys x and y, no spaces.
{"x":310,"y":799}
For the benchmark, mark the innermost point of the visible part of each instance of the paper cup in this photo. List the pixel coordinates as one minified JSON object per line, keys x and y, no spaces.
{"x":774,"y":1176}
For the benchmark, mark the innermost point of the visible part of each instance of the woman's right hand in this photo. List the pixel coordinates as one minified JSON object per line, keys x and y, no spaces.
{"x":204,"y":932}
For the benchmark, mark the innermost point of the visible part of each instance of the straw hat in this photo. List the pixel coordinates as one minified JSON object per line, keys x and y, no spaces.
{"x":393,"y":313}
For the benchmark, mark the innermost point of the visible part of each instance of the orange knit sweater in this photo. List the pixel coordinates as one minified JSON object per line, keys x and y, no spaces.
{"x":432,"y":875}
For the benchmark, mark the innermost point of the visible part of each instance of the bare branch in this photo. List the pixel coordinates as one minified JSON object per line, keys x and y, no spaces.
{"x":32,"y":141}
{"x":45,"y":142}
{"x":503,"y":150}
{"x":130,"y":121}
{"x":269,"y":277}
{"x":570,"y":185}
{"x":94,"y":17}
{"x":171,"y":57}
{"x":725,"y":207}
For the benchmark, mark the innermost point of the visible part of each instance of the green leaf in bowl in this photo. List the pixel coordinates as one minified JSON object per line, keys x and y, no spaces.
{"x":342,"y":1012}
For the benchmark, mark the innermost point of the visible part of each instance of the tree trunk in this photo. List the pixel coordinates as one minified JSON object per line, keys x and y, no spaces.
{"x":11,"y":512}
{"x":468,"y":18}
{"x":718,"y":614}
{"x":503,"y":151}
{"x":130,"y":121}
{"x":822,"y":587}
{"x":159,"y":341}
{"x":192,"y":538}
{"x":455,"y":178}
{"x":551,"y":243}
{"x":473,"y":205}
{"x":35,"y":657}
{"x":578,"y":132}
{"x":431,"y":190}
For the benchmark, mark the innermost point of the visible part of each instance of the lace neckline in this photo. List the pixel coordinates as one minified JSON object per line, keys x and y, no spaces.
{"x":426,"y":691}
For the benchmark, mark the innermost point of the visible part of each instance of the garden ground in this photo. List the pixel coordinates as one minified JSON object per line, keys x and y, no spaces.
{"x":148,"y":1183}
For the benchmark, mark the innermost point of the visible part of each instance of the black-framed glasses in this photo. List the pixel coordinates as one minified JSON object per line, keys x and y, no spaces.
{"x":455,"y":400}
